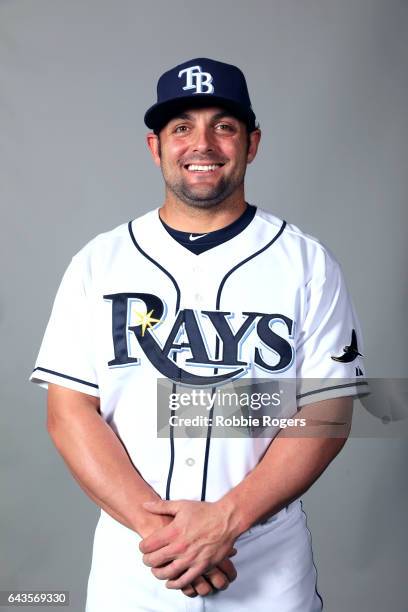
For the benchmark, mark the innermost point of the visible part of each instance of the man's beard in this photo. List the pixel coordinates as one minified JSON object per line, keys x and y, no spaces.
{"x":206,"y":198}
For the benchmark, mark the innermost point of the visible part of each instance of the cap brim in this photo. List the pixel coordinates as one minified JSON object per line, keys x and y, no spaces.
{"x":158,"y":115}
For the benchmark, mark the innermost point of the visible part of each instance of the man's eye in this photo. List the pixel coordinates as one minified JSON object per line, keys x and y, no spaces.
{"x":224,"y":127}
{"x":180,"y":129}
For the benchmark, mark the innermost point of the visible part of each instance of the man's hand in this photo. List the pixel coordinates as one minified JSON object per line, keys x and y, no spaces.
{"x":218,"y":578}
{"x":200,"y":537}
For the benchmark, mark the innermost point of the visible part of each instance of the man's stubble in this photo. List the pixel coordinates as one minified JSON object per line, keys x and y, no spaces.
{"x":210,"y":198}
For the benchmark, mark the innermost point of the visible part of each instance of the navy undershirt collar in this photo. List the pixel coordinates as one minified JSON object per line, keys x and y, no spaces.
{"x":198,"y":243}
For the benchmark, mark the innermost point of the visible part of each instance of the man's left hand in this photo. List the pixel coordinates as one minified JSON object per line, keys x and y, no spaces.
{"x":200,"y":536}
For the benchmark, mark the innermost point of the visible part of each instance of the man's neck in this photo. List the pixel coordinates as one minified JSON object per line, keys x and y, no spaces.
{"x":186,"y":218}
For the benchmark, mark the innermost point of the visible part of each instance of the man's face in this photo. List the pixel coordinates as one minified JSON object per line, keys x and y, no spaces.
{"x":203,"y":154}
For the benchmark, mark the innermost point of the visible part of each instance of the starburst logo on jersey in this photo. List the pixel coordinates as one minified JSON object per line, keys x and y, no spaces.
{"x":255,"y":333}
{"x":146,"y":320}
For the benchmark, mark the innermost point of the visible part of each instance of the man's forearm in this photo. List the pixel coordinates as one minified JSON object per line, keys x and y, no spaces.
{"x":101,"y":466}
{"x":97,"y":459}
{"x":289,"y":467}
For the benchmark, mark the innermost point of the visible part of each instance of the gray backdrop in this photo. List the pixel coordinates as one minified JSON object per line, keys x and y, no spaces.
{"x":328,"y":80}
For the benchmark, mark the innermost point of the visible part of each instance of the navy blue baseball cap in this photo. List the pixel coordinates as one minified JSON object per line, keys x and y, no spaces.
{"x":201,"y":82}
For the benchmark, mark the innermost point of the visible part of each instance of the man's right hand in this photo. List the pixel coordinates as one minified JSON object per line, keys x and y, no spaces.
{"x":216,"y":579}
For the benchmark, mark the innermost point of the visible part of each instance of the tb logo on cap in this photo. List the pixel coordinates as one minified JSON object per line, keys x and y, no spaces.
{"x":196,"y":79}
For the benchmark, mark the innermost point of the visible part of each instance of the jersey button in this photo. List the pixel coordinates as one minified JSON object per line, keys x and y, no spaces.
{"x":190,"y":461}
{"x":198,"y":297}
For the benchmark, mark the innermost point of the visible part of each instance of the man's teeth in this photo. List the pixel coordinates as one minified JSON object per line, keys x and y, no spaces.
{"x":200,"y":168}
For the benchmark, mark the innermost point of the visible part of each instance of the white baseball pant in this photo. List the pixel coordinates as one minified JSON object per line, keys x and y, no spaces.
{"x":274,"y":563}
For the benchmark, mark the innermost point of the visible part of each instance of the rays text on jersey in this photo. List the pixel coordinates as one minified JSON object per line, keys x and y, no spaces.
{"x":271,"y":351}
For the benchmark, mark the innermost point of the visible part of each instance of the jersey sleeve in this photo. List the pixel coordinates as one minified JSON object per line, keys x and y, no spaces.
{"x":329,"y":341}
{"x":66,"y":353}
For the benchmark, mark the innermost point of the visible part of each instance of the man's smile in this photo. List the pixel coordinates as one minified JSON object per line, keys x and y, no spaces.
{"x":203,"y":168}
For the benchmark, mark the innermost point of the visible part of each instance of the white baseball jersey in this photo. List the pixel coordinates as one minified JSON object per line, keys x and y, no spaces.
{"x":135,"y":306}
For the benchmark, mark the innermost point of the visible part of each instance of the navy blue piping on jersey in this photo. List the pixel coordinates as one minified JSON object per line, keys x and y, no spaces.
{"x":178,"y":293}
{"x":313,"y":561}
{"x":171,"y":438}
{"x":357,"y":383}
{"x":79,"y":380}
{"x":156,"y":263}
{"x":217,"y":348}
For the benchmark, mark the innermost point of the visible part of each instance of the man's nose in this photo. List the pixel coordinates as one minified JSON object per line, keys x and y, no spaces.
{"x":203,"y":140}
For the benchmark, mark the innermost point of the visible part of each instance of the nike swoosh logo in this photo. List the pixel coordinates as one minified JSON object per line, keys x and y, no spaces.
{"x":192,"y":238}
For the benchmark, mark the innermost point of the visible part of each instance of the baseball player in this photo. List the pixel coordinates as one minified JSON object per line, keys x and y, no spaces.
{"x":204,"y":292}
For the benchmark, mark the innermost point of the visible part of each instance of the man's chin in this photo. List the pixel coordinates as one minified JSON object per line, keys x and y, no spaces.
{"x":202,"y":196}
{"x":202,"y":200}
{"x":205,"y":196}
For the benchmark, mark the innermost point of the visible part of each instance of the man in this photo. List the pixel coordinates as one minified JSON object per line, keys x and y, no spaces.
{"x":202,"y":292}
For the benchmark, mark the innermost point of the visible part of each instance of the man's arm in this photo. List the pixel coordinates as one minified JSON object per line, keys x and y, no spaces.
{"x":97,"y":459}
{"x":293,"y":462}
{"x":100,"y":464}
{"x":288,"y":468}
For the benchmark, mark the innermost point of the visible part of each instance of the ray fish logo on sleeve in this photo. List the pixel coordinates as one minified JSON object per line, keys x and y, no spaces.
{"x":350,"y":352}
{"x":197,"y":79}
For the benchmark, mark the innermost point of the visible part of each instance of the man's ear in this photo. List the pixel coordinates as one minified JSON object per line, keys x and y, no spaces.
{"x":254,"y":139}
{"x":154,"y":145}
